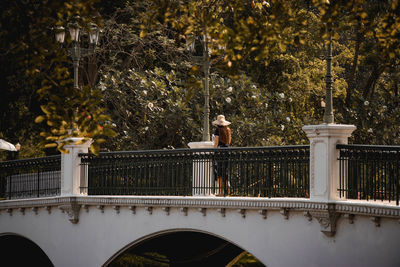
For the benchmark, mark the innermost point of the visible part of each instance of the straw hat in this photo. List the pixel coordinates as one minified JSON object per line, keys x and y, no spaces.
{"x":221,"y":121}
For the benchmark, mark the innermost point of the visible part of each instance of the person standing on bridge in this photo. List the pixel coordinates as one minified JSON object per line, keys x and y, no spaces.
{"x":222,"y":139}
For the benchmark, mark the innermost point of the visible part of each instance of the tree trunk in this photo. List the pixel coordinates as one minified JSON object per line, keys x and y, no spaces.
{"x":352,"y":75}
{"x":369,"y":87}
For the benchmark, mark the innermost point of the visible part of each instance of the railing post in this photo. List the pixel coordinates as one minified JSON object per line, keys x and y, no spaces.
{"x":203,"y":179}
{"x":324,"y":163}
{"x":71,"y":167}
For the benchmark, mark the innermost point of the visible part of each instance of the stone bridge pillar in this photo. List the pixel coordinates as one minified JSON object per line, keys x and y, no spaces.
{"x":324,"y":163}
{"x":71,"y":167}
{"x":203,"y":178}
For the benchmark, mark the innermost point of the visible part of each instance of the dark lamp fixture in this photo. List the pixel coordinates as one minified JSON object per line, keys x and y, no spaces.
{"x":74,"y":32}
{"x":60,"y":34}
{"x":94,"y":35}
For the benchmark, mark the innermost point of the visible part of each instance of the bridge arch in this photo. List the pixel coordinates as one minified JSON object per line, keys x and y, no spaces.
{"x":22,"y":251}
{"x":181,"y":247}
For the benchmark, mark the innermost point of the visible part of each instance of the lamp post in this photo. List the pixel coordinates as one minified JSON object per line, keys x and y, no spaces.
{"x":205,"y":61}
{"x":206,"y":69}
{"x":328,"y":112}
{"x":76,"y":51}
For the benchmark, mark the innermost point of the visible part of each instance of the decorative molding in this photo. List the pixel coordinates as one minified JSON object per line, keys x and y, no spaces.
{"x":326,"y":213}
{"x":166,"y":209}
{"x":22,"y":210}
{"x":312,"y":160}
{"x":35,"y":210}
{"x":133,"y":209}
{"x":223,"y":210}
{"x":377,"y":221}
{"x":368,"y":208}
{"x":117,"y":208}
{"x":285,"y":213}
{"x":203,"y":211}
{"x":149,"y":209}
{"x":101,"y":208}
{"x":327,"y":220}
{"x":184,"y":210}
{"x":72,"y":211}
{"x":308,"y":215}
{"x":263,"y":213}
{"x":242,"y":212}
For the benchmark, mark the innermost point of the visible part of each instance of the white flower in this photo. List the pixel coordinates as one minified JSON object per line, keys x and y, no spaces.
{"x":230,"y":89}
{"x":254,"y":87}
{"x":288,"y":119}
{"x":150,"y":105}
{"x":228,"y":100}
{"x":102,"y":87}
{"x":290,"y":99}
{"x":282,"y":95}
{"x":282,"y":127}
{"x":125,"y":133}
{"x":145,"y":92}
{"x":366,"y":103}
{"x":384,"y":107}
{"x":370,"y":130}
{"x":254,"y":96}
{"x":114,"y":125}
{"x":266,"y":105}
{"x":146,"y":128}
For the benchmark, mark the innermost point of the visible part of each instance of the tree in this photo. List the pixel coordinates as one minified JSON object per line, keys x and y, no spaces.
{"x":267,"y":72}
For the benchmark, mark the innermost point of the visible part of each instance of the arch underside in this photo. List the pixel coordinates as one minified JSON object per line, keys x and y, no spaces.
{"x":18,"y":250}
{"x":179,"y":247}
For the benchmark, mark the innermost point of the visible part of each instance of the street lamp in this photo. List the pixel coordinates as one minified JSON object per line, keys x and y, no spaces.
{"x":76,"y":51}
{"x":328,"y":112}
{"x":206,"y":70}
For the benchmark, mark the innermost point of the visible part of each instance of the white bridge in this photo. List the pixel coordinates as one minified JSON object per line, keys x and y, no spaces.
{"x":76,"y":229}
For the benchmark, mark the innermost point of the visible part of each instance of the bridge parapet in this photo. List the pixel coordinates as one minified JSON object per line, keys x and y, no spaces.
{"x":314,"y":173}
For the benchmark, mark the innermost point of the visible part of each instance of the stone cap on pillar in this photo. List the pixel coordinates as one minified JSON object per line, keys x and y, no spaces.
{"x":202,"y":144}
{"x":331,"y":130}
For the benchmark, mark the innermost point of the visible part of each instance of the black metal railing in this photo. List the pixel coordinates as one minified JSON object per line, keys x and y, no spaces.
{"x":369,"y":172}
{"x":265,"y":172}
{"x":30,"y":178}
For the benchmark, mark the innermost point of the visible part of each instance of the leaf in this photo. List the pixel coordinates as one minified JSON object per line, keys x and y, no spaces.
{"x":143,"y":34}
{"x":50,"y":145}
{"x":95,"y":148}
{"x":39,"y":119}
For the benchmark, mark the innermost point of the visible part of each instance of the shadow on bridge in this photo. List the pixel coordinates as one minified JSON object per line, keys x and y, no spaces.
{"x":17,"y":250}
{"x":185,"y":248}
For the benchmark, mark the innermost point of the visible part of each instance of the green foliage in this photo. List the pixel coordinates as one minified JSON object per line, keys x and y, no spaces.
{"x":267,"y":71}
{"x":75,"y":113}
{"x":247,"y":260}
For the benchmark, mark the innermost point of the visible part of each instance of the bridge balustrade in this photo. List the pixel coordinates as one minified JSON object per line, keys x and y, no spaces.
{"x":30,"y":178}
{"x":365,"y":173}
{"x":256,"y":172}
{"x":369,"y":172}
